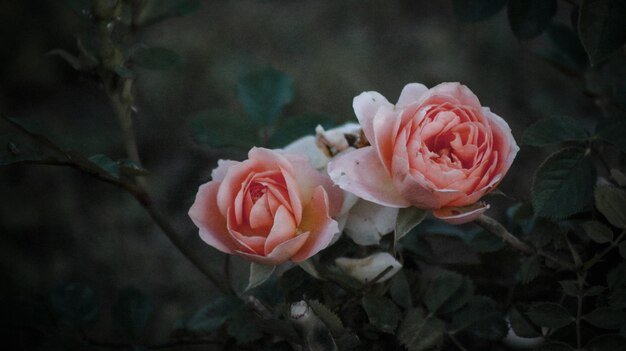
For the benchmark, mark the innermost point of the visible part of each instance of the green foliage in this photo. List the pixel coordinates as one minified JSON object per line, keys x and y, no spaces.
{"x":419,"y":332}
{"x":214,"y":315}
{"x":598,"y":232}
{"x":263,"y":94}
{"x":328,"y":317}
{"x":382,"y":312}
{"x":131,"y":311}
{"x":529,"y":269}
{"x":481,"y":318}
{"x":563,"y":50}
{"x":156,"y":58}
{"x":521,"y":325}
{"x":443,"y":289}
{"x":529,"y":18}
{"x":242,"y":326}
{"x":611,"y":202}
{"x":606,"y":318}
{"x":400,"y":290}
{"x":601,"y":27}
{"x":613,"y":131}
{"x":606,"y":343}
{"x":75,"y":303}
{"x":476,"y":10}
{"x":553,"y":130}
{"x":408,"y":218}
{"x":259,"y":274}
{"x":548,"y":314}
{"x":563,"y":183}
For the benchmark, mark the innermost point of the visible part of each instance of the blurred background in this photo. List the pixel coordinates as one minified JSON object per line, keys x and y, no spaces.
{"x":59,"y":226}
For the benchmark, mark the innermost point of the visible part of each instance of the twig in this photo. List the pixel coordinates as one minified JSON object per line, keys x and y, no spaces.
{"x":494,"y":227}
{"x":604,"y":252}
{"x":579,"y":308}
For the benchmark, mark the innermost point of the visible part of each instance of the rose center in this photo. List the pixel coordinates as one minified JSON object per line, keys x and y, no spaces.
{"x":256,"y":191}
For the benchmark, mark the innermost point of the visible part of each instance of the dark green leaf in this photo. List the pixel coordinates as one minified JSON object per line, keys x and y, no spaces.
{"x":263,"y":95}
{"x":606,"y":343}
{"x":382,"y":312}
{"x":418,"y":333}
{"x":441,"y":289}
{"x":290,"y":128}
{"x":570,"y":287}
{"x":528,"y":18}
{"x":128,"y":168}
{"x":408,"y":218}
{"x":482,"y":241}
{"x":213,"y":315}
{"x":598,"y":232}
{"x":482,"y":318}
{"x":551,"y":315}
{"x":259,"y":273}
{"x":529,"y":269}
{"x":613,"y":131}
{"x":157,"y":58}
{"x":563,"y":184}
{"x":594,"y":290}
{"x":157,"y":10}
{"x":601,"y":27}
{"x":223,"y":128}
{"x":553,"y":130}
{"x":462,"y":295}
{"x":328,"y":317}
{"x":521,"y":325}
{"x":606,"y":318}
{"x":563,"y":50}
{"x":544,"y":232}
{"x":474,"y":11}
{"x":400,"y":290}
{"x":611,"y":202}
{"x":75,"y":303}
{"x":132,"y":311}
{"x":242,"y":326}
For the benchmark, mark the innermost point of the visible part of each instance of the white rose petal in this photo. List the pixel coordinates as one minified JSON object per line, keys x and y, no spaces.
{"x":368,"y":268}
{"x":368,"y":222}
{"x":306,"y":146}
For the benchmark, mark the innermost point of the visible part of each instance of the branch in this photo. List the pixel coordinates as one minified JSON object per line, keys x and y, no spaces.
{"x":494,"y":227}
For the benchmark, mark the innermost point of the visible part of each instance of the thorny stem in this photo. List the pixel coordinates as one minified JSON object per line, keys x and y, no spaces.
{"x":604,"y":252}
{"x":494,"y":227}
{"x":579,"y":308}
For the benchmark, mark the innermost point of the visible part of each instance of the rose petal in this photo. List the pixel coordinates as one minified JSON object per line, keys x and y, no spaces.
{"x":368,"y":222}
{"x":206,"y":216}
{"x":281,"y":253}
{"x":460,"y":215}
{"x":365,"y":106}
{"x":457,"y":91}
{"x":284,"y":228}
{"x":222,"y":167}
{"x":306,"y":146}
{"x":362,"y":173}
{"x":411,"y":93}
{"x":368,"y":268}
{"x":317,"y":222}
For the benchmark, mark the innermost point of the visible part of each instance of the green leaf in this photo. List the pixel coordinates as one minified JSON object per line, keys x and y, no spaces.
{"x":601,"y":27}
{"x":223,"y":128}
{"x":606,"y":343}
{"x":328,"y":317}
{"x":563,"y":184}
{"x":291,"y":128}
{"x":570,"y":287}
{"x":594,"y":290}
{"x":76,"y":303}
{"x":544,"y":232}
{"x":242,"y":326}
{"x":441,"y":289}
{"x":553,"y":130}
{"x":563,"y":50}
{"x":382,"y":312}
{"x":400,"y":290}
{"x":529,"y":269}
{"x":263,"y":95}
{"x":213,"y":315}
{"x":158,"y":10}
{"x":521,"y":325}
{"x":482,"y":318}
{"x":606,"y":318}
{"x":611,"y":202}
{"x":551,"y":315}
{"x":408,"y":218}
{"x":156,"y":58}
{"x":474,"y":11}
{"x":259,"y":273}
{"x":598,"y":232}
{"x":528,"y":18}
{"x":418,"y":333}
{"x":613,"y":131}
{"x":132,"y":311}
{"x":482,"y":241}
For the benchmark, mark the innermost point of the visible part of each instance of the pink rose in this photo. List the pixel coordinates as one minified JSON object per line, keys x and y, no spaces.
{"x":270,"y":208}
{"x":436,"y":149}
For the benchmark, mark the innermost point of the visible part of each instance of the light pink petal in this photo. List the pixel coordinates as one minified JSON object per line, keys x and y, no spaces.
{"x":222,"y":167}
{"x":206,"y":216}
{"x":411,"y":93}
{"x":294,"y":195}
{"x":317,"y":222}
{"x":269,"y":159}
{"x":460,"y":215}
{"x":232,"y":184}
{"x":260,"y":215}
{"x":284,"y":228}
{"x":280,"y":254}
{"x":503,"y":139}
{"x":456,"y":91}
{"x":244,"y":237}
{"x":386,"y":125}
{"x":362,"y":173}
{"x":365,"y":107}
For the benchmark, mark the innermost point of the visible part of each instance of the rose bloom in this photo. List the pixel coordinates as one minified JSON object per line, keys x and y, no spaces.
{"x":270,"y":208}
{"x":436,"y":149}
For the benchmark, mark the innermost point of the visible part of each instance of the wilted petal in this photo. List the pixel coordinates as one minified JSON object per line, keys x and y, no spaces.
{"x":306,"y":146}
{"x":368,"y":222}
{"x":460,"y":215}
{"x":368,"y":268}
